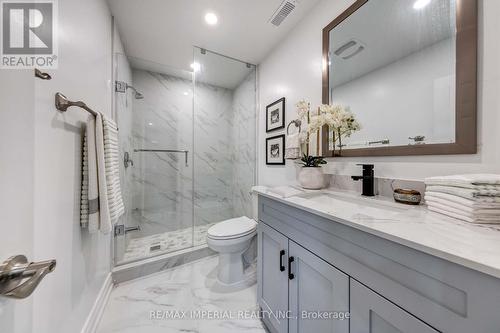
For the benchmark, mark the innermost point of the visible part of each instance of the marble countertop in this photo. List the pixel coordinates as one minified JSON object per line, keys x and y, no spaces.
{"x":474,"y":246}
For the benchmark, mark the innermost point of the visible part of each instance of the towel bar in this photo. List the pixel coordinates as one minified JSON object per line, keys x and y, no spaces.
{"x":62,"y":104}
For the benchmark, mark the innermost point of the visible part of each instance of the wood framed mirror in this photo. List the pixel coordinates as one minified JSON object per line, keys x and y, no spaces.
{"x":407,"y":70}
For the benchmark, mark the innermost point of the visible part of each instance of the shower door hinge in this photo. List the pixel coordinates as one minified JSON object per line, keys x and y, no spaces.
{"x":119,"y":230}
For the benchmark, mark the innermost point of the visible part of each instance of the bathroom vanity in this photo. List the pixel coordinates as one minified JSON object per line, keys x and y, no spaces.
{"x":391,"y":267}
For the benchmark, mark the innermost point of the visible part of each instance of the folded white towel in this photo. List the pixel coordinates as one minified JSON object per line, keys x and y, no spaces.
{"x":459,"y":209}
{"x":462,"y":217}
{"x":285,"y":191}
{"x":466,"y":208}
{"x":476,"y":203}
{"x":481,"y":195}
{"x":292,"y":146}
{"x":474,"y":181}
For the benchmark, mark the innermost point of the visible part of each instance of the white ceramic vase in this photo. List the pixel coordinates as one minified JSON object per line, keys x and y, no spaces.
{"x":311,"y":178}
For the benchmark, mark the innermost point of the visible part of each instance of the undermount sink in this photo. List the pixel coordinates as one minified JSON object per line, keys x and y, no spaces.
{"x":357,"y":206}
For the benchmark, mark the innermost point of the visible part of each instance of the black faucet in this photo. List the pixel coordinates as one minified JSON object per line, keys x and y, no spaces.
{"x":368,"y":178}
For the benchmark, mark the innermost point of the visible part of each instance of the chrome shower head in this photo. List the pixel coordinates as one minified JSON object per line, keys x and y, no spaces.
{"x":137,"y":95}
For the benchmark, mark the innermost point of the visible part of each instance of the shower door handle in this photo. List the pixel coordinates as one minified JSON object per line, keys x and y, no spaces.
{"x":185,"y":152}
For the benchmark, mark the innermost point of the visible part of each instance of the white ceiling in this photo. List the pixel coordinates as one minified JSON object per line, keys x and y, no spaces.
{"x":164,"y":31}
{"x":390,"y":30}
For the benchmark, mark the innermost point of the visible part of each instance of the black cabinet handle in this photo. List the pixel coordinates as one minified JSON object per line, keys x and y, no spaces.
{"x":291,"y":276}
{"x":282,"y":253}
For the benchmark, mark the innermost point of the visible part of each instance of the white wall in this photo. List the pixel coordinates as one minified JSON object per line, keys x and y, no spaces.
{"x":293,"y":70}
{"x":64,"y":299}
{"x":16,"y":185}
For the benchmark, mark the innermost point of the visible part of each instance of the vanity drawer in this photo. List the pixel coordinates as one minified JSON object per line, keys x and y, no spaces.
{"x":447,"y":296}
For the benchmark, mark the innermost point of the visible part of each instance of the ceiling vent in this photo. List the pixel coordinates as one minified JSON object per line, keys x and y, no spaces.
{"x":285,"y":8}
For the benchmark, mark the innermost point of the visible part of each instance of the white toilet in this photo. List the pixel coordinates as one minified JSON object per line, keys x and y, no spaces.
{"x":231,"y":238}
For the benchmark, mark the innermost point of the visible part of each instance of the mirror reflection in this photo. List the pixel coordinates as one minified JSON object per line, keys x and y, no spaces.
{"x":392,"y":63}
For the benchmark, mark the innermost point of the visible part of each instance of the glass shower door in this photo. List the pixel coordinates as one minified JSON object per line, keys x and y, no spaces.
{"x":155,"y":116}
{"x":189,"y":150}
{"x":224,"y":139}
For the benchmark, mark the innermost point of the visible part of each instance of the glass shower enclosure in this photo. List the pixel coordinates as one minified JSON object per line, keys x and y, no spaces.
{"x":188,"y":144}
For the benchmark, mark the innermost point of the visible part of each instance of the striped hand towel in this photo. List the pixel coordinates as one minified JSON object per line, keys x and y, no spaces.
{"x":101,"y":203}
{"x":116,"y":207}
{"x":89,"y":212}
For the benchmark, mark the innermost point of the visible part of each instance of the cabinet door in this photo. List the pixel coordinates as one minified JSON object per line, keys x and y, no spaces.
{"x":272,"y":291}
{"x":318,"y":293}
{"x":371,"y":313}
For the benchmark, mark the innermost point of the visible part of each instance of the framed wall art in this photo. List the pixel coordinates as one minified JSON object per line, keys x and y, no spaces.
{"x":275,"y":150}
{"x":275,"y":115}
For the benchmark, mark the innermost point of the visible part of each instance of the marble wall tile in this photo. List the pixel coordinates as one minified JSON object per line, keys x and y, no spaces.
{"x":161,"y":198}
{"x":383,"y":186}
{"x":244,"y":149}
{"x":219,"y":132}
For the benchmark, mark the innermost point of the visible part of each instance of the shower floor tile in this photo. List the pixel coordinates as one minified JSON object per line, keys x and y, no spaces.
{"x":150,"y":304}
{"x":170,"y":241}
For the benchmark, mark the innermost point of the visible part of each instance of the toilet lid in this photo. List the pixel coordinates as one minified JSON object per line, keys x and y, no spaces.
{"x":232,"y":228}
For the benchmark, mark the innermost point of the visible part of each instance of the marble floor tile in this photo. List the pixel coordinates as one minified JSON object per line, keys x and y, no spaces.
{"x":142,"y":306}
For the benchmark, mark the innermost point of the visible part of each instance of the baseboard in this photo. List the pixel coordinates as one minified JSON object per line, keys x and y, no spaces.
{"x":97,"y":310}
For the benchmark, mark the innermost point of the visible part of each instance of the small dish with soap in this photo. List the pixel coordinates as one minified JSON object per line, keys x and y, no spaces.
{"x":407,"y":197}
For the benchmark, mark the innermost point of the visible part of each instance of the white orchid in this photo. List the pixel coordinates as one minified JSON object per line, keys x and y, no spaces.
{"x":339,"y":119}
{"x":316,"y":122}
{"x":302,"y":109}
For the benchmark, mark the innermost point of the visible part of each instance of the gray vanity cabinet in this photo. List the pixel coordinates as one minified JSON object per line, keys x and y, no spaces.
{"x":371,"y":313}
{"x":272,"y":268}
{"x":318,"y":294}
{"x":400,"y":289}
{"x":295,"y":287}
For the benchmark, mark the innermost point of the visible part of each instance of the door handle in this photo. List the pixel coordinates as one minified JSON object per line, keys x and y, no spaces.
{"x":291,"y":276}
{"x":18,"y":278}
{"x":185,"y":152}
{"x":129,"y":229}
{"x":282,"y":253}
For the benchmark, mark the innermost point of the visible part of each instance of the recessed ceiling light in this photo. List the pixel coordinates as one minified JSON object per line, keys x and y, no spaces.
{"x":211,"y":18}
{"x":186,"y":93}
{"x":150,"y":124}
{"x":195,"y":66}
{"x":419,"y":4}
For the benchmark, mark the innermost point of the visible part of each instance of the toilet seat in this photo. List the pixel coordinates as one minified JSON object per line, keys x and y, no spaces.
{"x":232,"y":228}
